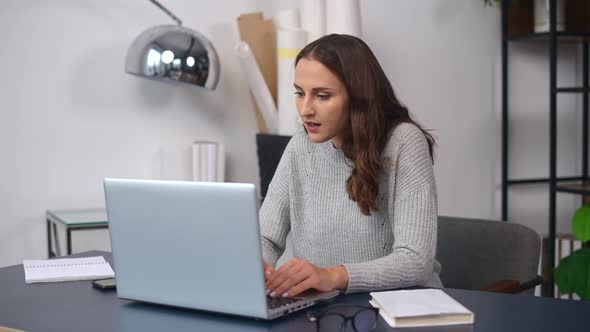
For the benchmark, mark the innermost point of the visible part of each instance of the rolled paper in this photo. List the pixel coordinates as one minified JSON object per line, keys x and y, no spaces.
{"x":289,"y":44}
{"x":287,"y":19}
{"x":313,"y":18}
{"x":258,"y":86}
{"x":343,"y":17}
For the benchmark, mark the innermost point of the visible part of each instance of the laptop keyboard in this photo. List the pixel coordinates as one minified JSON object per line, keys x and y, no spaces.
{"x":277,"y":302}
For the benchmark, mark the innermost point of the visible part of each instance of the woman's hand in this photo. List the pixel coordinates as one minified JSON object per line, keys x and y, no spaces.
{"x":268,"y":270}
{"x":298,"y":275}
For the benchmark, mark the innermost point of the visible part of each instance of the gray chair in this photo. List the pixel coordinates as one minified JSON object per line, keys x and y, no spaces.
{"x":488,"y":255}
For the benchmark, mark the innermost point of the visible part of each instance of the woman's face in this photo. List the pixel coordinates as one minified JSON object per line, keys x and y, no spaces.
{"x":322,"y":102}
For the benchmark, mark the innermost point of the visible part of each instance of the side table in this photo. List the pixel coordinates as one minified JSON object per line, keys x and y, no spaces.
{"x":73,"y":220}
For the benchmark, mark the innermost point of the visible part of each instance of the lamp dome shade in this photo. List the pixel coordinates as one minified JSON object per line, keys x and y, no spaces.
{"x":175,"y":54}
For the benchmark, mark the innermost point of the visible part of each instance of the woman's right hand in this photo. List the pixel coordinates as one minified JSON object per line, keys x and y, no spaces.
{"x":268,"y":270}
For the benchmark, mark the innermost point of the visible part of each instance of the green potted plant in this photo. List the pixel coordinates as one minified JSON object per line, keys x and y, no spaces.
{"x":573,"y":273}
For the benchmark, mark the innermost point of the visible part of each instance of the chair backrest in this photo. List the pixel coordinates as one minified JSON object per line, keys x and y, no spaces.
{"x":269,"y":149}
{"x":476,"y":253}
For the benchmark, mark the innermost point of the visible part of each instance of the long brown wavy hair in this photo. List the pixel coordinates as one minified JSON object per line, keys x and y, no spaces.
{"x":374,"y":110}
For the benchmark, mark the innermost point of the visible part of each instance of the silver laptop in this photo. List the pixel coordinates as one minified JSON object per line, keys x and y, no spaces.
{"x":193,"y":245}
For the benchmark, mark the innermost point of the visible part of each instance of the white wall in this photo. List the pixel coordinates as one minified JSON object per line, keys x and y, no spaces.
{"x":439,"y":57}
{"x":70,"y":116}
{"x":444,"y":60}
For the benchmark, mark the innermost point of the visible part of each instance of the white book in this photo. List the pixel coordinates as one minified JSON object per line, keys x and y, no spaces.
{"x":208,"y":161}
{"x":67,"y":269}
{"x":420,"y":307}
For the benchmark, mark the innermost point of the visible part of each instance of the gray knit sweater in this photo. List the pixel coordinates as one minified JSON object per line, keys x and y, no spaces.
{"x":394,"y":247}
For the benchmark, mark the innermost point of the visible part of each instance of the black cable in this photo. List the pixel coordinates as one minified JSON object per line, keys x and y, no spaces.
{"x":165,"y":10}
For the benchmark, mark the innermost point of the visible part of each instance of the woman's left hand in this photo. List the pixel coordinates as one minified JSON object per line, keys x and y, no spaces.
{"x":298,"y":275}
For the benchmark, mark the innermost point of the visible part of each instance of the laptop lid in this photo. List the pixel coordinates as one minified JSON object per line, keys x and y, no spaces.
{"x":187,"y":244}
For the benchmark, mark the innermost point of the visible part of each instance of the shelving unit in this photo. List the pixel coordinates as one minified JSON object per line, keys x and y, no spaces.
{"x":577,"y":184}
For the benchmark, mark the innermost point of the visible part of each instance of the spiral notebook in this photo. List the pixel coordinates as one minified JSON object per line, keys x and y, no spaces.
{"x":67,"y":269}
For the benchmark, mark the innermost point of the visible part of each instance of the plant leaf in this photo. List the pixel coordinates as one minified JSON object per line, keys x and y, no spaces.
{"x":581,"y":223}
{"x":573,"y":273}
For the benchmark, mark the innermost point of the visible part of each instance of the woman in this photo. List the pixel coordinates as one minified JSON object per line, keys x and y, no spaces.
{"x":355,"y":187}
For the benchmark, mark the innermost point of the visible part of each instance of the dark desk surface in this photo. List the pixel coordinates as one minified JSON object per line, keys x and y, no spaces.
{"x":76,"y":306}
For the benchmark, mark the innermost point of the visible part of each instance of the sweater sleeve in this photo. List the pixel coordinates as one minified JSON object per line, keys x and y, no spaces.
{"x":274,"y":213}
{"x":412,"y":211}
